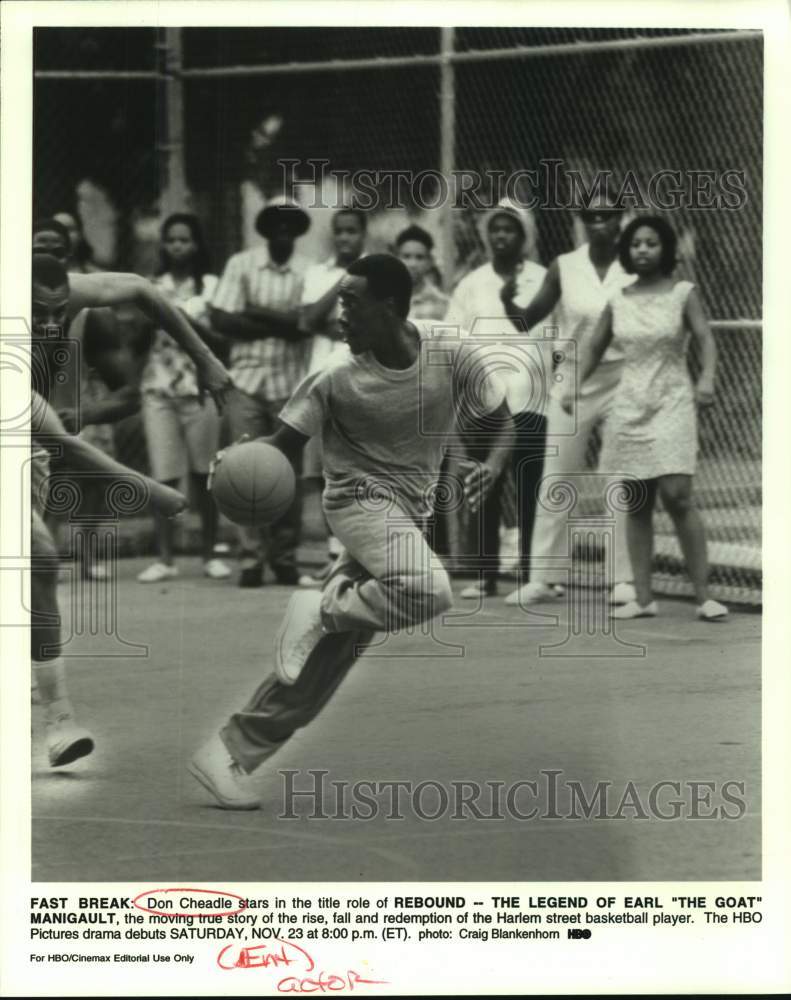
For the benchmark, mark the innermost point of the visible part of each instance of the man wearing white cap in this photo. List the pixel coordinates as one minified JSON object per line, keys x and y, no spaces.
{"x":256,"y":305}
{"x":524,"y":364}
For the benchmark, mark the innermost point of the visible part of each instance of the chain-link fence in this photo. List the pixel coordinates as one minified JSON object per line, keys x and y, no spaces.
{"x":131,"y":115}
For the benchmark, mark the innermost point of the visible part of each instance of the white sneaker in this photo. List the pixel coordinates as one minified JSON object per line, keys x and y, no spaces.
{"x":298,"y":634}
{"x":711,"y":611}
{"x":534,"y":593}
{"x":216,"y":569}
{"x":635,"y":610}
{"x":96,"y":571}
{"x":157,"y":572}
{"x":221,"y":775}
{"x":623,"y":593}
{"x":475,"y":591}
{"x":66,"y":741}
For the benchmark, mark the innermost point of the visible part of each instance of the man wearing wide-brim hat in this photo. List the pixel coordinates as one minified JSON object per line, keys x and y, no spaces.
{"x":256,"y":306}
{"x":279,"y":211}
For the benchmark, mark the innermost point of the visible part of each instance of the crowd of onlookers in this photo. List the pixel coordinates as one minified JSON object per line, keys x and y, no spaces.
{"x":272,"y":316}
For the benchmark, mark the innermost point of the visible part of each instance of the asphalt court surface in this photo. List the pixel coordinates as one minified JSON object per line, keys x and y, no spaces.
{"x":494,"y":695}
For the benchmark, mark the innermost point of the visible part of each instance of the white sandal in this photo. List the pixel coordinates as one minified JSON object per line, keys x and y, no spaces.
{"x":711,"y":611}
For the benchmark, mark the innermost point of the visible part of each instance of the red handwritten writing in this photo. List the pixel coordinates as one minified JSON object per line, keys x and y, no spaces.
{"x":286,"y":954}
{"x":263,"y":956}
{"x":325,"y":983}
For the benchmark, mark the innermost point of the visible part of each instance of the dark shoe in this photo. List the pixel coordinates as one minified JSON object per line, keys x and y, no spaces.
{"x":286,"y":576}
{"x":252,"y":576}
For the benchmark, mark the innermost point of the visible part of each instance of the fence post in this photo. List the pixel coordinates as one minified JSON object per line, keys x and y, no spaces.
{"x":447,"y":153}
{"x":173,"y":194}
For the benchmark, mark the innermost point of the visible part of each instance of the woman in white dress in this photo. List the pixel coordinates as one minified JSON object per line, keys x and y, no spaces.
{"x":653,"y":438}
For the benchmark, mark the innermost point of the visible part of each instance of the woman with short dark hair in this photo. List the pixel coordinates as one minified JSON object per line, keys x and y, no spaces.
{"x":654,"y":438}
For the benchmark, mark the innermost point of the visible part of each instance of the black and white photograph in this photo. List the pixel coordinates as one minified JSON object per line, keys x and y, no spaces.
{"x":387,"y":462}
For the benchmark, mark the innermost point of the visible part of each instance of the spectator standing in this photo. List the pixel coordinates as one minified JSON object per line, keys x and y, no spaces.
{"x":320,"y":315}
{"x":477,"y":308}
{"x":182,"y":431}
{"x":577,"y":286}
{"x":415,"y":248}
{"x":80,"y":260}
{"x":653,"y":435}
{"x":257,"y":306}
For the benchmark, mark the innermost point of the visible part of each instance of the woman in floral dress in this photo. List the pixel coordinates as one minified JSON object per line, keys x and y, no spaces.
{"x":182,"y":430}
{"x":654,"y":439}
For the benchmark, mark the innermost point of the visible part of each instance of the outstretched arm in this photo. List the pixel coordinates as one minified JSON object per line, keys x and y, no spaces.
{"x":114,"y":289}
{"x":704,"y":339}
{"x":81,"y":456}
{"x":539,"y":307}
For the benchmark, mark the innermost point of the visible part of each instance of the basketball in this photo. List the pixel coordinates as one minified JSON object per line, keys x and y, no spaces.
{"x":254,"y":483}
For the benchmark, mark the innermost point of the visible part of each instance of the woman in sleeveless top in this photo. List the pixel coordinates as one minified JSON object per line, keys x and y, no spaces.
{"x":182,"y":433}
{"x":653,"y":439}
{"x":576,"y":287}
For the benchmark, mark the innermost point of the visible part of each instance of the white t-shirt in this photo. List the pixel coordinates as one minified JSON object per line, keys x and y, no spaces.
{"x":319,"y":279}
{"x":386,"y":430}
{"x":524,"y":359}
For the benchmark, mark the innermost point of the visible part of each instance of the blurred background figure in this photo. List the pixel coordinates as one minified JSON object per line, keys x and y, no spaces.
{"x":320,"y":310}
{"x":51,"y":237}
{"x":257,"y":306}
{"x":99,"y":387}
{"x":80,"y":259}
{"x":477,"y":308}
{"x":319,"y":315}
{"x":577,"y":287}
{"x":182,"y":430}
{"x":415,"y":247}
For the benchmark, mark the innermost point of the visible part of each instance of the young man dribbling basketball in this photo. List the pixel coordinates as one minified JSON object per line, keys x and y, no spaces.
{"x":384,"y":412}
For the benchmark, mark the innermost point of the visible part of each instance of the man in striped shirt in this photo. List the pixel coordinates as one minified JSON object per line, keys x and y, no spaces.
{"x":256,"y":305}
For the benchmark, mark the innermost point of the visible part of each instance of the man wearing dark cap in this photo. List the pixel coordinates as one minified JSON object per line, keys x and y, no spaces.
{"x":256,"y":306}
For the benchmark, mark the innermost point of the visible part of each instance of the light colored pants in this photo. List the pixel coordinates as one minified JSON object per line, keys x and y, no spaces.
{"x":182,"y":435}
{"x":549,"y":551}
{"x":386,"y":577}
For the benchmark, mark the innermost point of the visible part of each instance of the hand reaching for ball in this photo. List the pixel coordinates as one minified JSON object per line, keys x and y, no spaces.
{"x":166,"y":501}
